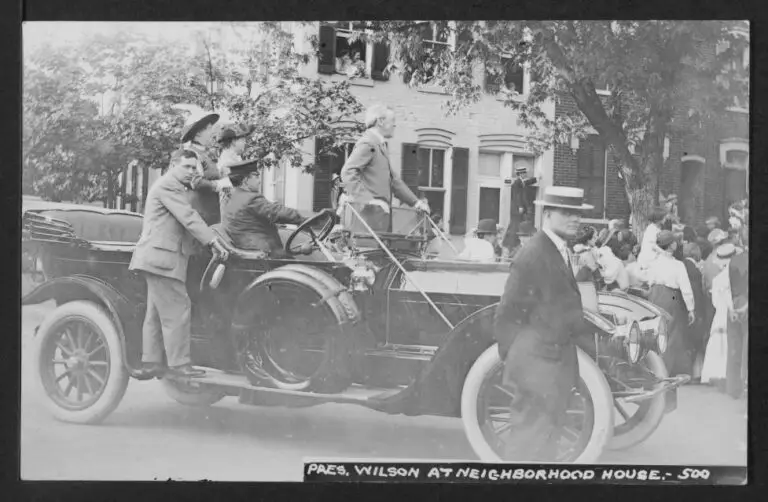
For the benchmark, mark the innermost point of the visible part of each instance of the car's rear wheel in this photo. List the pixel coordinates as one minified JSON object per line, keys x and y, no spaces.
{"x":191,"y":394}
{"x":486,"y":411}
{"x":634,"y":423}
{"x":78,"y":356}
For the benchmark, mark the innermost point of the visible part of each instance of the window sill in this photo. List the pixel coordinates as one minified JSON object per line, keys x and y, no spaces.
{"x":432,"y":89}
{"x":356,"y":81}
{"x":502,"y":97}
{"x":737,"y":109}
{"x":603,"y":92}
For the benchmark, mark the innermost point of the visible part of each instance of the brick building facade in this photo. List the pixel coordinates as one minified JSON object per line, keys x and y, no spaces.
{"x":462,"y":164}
{"x":707,"y":168}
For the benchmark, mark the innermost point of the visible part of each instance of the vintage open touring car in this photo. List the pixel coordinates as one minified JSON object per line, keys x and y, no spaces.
{"x":365,"y":319}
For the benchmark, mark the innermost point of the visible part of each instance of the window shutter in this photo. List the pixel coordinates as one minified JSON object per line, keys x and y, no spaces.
{"x":322,"y":181}
{"x":327,"y":58}
{"x":380,"y":61}
{"x":459,"y":188}
{"x":410,"y":166}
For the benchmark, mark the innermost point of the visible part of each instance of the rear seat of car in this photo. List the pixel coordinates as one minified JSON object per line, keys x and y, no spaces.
{"x":95,"y":226}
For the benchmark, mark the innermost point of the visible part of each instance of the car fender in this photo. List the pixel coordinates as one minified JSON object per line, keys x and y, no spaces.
{"x":632,"y":302}
{"x":83,"y":287}
{"x":439,"y":385}
{"x":244,"y":312}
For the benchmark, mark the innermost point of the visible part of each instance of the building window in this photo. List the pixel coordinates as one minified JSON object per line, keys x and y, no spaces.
{"x":358,"y":59}
{"x":591,"y":165}
{"x":435,"y":42}
{"x":431,"y":178}
{"x":511,"y":78}
{"x":490,"y":165}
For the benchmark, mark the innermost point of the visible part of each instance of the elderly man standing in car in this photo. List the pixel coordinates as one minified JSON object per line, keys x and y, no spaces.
{"x":162,"y":254}
{"x":368,"y":176}
{"x":537,"y":322}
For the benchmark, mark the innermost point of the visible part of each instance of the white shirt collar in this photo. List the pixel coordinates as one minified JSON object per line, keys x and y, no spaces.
{"x":377,"y":134}
{"x":559,"y":241}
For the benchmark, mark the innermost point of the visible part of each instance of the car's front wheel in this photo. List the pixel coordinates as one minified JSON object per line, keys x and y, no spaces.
{"x":78,"y":356}
{"x":486,"y":411}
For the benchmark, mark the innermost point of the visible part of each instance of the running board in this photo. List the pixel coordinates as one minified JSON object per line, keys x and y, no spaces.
{"x":356,"y":394}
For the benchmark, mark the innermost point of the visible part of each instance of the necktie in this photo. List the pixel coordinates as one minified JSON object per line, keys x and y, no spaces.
{"x":568,"y":260}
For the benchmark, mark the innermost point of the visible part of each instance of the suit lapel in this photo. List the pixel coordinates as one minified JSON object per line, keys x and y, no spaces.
{"x":554,"y":255}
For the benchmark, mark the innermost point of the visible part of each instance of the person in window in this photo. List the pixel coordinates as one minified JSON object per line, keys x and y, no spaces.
{"x":250,"y":220}
{"x":671,"y":290}
{"x":480,"y":248}
{"x":368,"y":178}
{"x":232,"y":142}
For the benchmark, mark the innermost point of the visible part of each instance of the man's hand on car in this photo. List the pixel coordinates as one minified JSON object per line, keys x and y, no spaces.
{"x":218,"y":249}
{"x":422,"y":206}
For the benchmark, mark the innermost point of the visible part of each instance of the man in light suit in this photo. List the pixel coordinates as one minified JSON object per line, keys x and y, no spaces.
{"x":368,"y":177}
{"x":537,"y":323}
{"x":162,"y":253}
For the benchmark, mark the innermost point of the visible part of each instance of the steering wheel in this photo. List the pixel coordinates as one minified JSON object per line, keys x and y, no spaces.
{"x":330,"y":220}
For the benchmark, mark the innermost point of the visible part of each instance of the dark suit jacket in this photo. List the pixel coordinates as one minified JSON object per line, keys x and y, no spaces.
{"x":250,"y":221}
{"x":520,"y":198}
{"x":537,"y":321}
{"x":367,"y":174}
{"x":738,"y":270}
{"x":169,"y":229}
{"x":699,"y":301}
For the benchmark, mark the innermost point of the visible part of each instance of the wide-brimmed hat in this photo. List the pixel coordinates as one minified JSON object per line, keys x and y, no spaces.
{"x":717,"y":236}
{"x":195,"y":124}
{"x":564,"y":197}
{"x":526,"y":228}
{"x":486,"y":226}
{"x":245,"y":167}
{"x":235,"y":131}
{"x":726,"y":250}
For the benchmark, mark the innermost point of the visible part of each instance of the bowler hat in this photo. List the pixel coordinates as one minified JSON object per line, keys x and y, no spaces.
{"x":196,"y":124}
{"x":245,"y":167}
{"x":486,"y":226}
{"x":235,"y":131}
{"x":564,"y":197}
{"x":665,"y":238}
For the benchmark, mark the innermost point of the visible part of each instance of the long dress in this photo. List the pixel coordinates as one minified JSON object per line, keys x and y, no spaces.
{"x":716,"y":354}
{"x":677,"y":356}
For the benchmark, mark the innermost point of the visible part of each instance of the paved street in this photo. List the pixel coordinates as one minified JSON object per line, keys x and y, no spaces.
{"x":150,"y":436}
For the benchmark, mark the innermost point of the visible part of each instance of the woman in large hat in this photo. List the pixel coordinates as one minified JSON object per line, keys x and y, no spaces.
{"x":198,"y":135}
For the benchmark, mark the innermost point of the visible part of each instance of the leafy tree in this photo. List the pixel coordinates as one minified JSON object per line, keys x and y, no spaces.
{"x":664,"y":77}
{"x":95,"y":105}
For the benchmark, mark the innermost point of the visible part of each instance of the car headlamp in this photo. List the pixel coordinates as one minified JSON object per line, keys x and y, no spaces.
{"x":633,"y":343}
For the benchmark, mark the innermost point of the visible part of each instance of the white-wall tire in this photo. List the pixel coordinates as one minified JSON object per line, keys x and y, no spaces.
{"x":489,"y":364}
{"x":648,"y":415}
{"x":187,"y":395}
{"x":102,"y":372}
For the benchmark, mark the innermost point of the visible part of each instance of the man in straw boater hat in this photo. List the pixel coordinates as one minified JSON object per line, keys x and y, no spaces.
{"x":198,"y":136}
{"x":519,"y":204}
{"x":169,"y":230}
{"x":537,"y":321}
